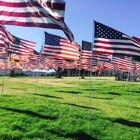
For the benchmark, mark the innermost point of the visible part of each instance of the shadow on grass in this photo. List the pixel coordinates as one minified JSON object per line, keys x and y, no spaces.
{"x":135,"y":107}
{"x":77,"y":136}
{"x":6,"y":95}
{"x":101,"y":79}
{"x":100,"y":98}
{"x":99,"y":83}
{"x":86,"y":107}
{"x":31,"y":113}
{"x":72,"y":92}
{"x":128,"y":123}
{"x":90,"y":89}
{"x":48,"y":96}
{"x":80,"y":136}
{"x":113,"y":93}
{"x":135,"y":91}
{"x":69,"y":82}
{"x":45,"y":95}
{"x":19,"y":89}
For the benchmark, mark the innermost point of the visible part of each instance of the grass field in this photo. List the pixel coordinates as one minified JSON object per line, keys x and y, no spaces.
{"x":70,"y":108}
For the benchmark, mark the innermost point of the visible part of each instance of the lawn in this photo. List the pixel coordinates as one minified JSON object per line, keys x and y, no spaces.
{"x":46,"y":108}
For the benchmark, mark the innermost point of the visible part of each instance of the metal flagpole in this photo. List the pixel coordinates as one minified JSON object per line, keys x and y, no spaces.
{"x":45,"y":78}
{"x":4,"y":74}
{"x":126,"y":80}
{"x":130,"y":86}
{"x":91,"y":75}
{"x":24,"y":67}
{"x":90,"y":91}
{"x":129,"y":75}
{"x":79,"y":76}
{"x":108,"y":79}
{"x":51,"y":73}
{"x":38,"y":69}
{"x":46,"y":82}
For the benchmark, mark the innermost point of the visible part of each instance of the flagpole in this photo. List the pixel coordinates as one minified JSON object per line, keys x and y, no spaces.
{"x":38,"y":69}
{"x":108,"y":79}
{"x":130,"y":86}
{"x":77,"y":83}
{"x":126,"y":80}
{"x":51,"y":73}
{"x":24,"y":76}
{"x":79,"y":76}
{"x":78,"y":80}
{"x":24,"y":67}
{"x":45,"y":81}
{"x":3,"y":73}
{"x":91,"y":75}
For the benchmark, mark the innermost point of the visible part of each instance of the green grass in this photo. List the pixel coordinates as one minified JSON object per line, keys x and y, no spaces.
{"x":69,"y":109}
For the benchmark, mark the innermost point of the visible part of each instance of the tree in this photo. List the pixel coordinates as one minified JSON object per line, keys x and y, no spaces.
{"x":12,"y":73}
{"x":58,"y":73}
{"x":82,"y":73}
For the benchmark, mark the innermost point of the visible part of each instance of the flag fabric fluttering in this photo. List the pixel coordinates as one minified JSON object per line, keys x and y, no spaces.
{"x":110,"y":66}
{"x":86,"y":51}
{"x":123,"y":64}
{"x":5,"y":37}
{"x":87,"y":46}
{"x":59,"y":47}
{"x":136,"y":58}
{"x":119,"y":56}
{"x":35,"y":13}
{"x":21,"y":46}
{"x":87,"y":54}
{"x":110,"y":41}
{"x":136,"y":38}
{"x":101,"y":57}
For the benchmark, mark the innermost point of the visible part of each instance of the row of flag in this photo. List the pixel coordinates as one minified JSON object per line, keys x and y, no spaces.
{"x":59,"y":47}
{"x":50,"y":14}
{"x":32,"y":62}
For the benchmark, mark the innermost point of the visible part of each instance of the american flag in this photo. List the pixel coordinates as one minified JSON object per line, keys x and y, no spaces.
{"x":110,"y":41}
{"x":86,"y":51}
{"x":137,"y":65}
{"x":101,"y":57}
{"x":136,"y":38}
{"x":119,"y":56}
{"x":5,"y":37}
{"x":109,"y":66}
{"x":59,"y":63}
{"x":59,"y":47}
{"x":35,"y":13}
{"x":87,"y":55}
{"x":125,"y":63}
{"x":37,"y":57}
{"x":3,"y":55}
{"x":21,"y":46}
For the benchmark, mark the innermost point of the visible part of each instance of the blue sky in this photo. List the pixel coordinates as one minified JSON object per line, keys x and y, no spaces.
{"x":122,"y":15}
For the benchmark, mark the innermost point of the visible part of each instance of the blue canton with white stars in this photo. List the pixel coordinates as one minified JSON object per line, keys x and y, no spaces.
{"x":86,"y":46}
{"x":104,"y":31}
{"x":51,"y":39}
{"x":16,"y":40}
